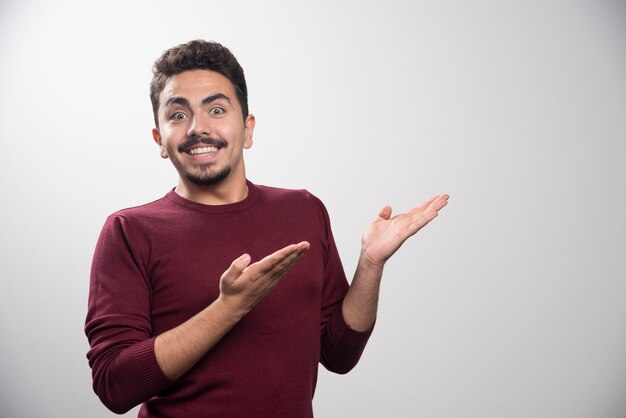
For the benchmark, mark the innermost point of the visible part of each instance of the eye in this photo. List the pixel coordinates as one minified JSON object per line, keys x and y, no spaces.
{"x":217,"y":111}
{"x":178,"y":116}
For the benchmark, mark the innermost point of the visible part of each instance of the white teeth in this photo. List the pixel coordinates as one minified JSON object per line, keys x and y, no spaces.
{"x":202,"y":150}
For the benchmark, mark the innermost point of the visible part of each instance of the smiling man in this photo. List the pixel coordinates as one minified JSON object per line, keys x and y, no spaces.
{"x":203,"y":136}
{"x":221,"y":298}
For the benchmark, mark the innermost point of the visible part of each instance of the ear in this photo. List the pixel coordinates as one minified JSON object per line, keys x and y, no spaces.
{"x":248,"y":131}
{"x":156,"y":135}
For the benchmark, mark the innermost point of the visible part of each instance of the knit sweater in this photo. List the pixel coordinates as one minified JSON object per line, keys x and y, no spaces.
{"x":157,"y":265}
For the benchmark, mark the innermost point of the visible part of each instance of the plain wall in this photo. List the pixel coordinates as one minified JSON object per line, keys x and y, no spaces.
{"x":511,"y":304}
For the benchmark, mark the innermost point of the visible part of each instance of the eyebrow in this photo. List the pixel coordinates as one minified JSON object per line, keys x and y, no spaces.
{"x":176,"y":100}
{"x":215,"y":97}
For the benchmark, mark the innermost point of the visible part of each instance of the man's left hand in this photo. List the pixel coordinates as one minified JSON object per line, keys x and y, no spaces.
{"x":386,"y":234}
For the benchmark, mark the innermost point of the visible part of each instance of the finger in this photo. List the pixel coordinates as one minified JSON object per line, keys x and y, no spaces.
{"x":286,"y":252}
{"x":280,"y":269}
{"x":271,"y":275}
{"x":289,"y":261}
{"x":423,"y":206}
{"x":431,"y":212}
{"x":385,"y":213}
{"x":236,"y":268}
{"x":438,"y":203}
{"x":272,"y":260}
{"x":435,"y":202}
{"x":276,"y":257}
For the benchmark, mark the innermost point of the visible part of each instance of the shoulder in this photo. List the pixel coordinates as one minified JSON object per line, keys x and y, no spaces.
{"x":145,"y":214}
{"x":159,"y":208}
{"x":296,"y":205}
{"x":278,"y":194}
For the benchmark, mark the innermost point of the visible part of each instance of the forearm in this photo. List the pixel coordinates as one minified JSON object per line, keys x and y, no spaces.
{"x":178,"y":349}
{"x":361,"y":301}
{"x":381,"y":240}
{"x":242,"y":286}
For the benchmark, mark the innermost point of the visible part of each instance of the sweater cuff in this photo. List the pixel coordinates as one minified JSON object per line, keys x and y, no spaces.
{"x":148,"y":367}
{"x":339,"y":330}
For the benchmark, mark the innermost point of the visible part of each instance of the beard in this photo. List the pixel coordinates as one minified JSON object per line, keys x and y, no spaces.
{"x":206,"y":177}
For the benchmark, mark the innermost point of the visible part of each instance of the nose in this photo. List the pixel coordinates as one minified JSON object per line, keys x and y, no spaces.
{"x":200,"y":126}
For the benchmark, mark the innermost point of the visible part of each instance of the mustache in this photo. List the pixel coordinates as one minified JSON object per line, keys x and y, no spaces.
{"x":195,"y":140}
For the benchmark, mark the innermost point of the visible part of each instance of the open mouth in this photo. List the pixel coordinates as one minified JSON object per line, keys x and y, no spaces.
{"x":202,"y":147}
{"x":202,"y":151}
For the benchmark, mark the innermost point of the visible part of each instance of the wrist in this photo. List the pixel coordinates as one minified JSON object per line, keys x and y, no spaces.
{"x":365,"y":260}
{"x":229,"y":309}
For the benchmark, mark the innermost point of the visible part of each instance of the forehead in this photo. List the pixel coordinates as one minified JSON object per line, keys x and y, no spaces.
{"x":195,"y":85}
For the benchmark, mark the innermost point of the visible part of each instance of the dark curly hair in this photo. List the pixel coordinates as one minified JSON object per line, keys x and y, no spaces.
{"x":197,"y":55}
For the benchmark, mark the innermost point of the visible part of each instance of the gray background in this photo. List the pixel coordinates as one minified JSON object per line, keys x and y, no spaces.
{"x":512,"y":304}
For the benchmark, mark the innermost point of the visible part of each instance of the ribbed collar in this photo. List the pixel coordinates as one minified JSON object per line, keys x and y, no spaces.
{"x":227,"y":208}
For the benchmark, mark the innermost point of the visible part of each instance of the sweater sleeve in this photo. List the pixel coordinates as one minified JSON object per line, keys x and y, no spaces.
{"x":124,"y":367}
{"x":341,"y":346}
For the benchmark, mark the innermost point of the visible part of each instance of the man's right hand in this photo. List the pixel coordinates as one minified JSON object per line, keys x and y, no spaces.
{"x":244,"y":285}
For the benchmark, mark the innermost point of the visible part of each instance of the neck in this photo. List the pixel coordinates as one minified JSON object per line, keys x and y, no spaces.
{"x":218,"y":194}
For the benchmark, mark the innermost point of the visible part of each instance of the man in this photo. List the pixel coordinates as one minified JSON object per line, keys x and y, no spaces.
{"x":181,"y":317}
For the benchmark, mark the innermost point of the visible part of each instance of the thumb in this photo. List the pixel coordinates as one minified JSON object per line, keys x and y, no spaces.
{"x":236,"y":268}
{"x":385,"y":213}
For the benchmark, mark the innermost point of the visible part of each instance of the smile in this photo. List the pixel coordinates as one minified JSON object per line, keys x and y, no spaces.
{"x":202,"y":151}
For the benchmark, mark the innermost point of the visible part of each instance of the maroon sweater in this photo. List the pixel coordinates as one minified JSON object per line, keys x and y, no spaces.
{"x":157,"y":265}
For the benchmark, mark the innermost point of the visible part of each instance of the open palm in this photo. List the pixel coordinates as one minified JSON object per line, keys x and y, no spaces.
{"x":386,"y":234}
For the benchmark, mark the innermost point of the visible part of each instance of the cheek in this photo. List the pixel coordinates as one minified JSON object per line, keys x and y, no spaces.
{"x":171,"y":134}
{"x":233,"y":133}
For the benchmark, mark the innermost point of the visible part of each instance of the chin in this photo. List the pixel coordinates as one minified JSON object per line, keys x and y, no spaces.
{"x":208,"y":179}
